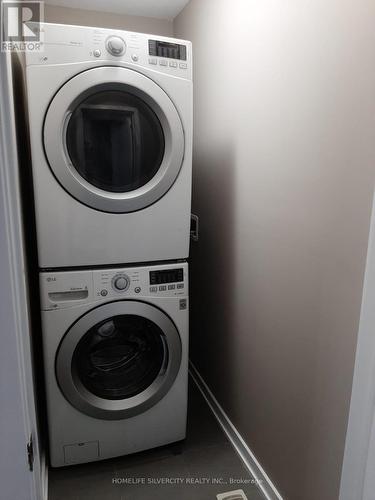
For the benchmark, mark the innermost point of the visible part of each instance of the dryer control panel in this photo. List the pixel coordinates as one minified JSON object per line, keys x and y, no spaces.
{"x":64,"y":44}
{"x":62,"y":289}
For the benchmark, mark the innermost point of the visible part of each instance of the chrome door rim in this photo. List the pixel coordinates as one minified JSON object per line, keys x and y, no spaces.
{"x":56,"y":121}
{"x":90,"y":404}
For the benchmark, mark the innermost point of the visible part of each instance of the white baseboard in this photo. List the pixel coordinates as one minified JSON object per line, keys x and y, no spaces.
{"x":247,"y":456}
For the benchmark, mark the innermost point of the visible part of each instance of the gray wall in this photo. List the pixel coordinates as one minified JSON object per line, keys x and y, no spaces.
{"x":64,"y":15}
{"x":284,"y":163}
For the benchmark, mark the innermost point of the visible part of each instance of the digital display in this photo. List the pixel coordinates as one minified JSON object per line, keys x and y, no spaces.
{"x":166,"y":276}
{"x":166,"y":49}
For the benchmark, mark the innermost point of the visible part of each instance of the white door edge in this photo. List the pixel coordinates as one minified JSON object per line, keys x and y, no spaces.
{"x":359,"y":457}
{"x":20,"y":380}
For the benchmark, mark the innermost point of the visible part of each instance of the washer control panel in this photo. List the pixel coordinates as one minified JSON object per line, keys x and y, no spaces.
{"x":62,"y":289}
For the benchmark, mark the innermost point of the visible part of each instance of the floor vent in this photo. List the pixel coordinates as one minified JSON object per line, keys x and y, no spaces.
{"x":232,"y":495}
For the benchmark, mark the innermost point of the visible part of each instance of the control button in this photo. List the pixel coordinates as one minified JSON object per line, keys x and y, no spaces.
{"x":162,"y":288}
{"x":163,"y":62}
{"x":180,"y":285}
{"x":183,"y":65}
{"x":152,"y":61}
{"x":153,"y":289}
{"x":103,"y":292}
{"x":97,"y":53}
{"x":171,"y":287}
{"x":135,"y":57}
{"x":183,"y":304}
{"x":115,"y":45}
{"x":137,"y":289}
{"x":120,"y":282}
{"x":173,"y":64}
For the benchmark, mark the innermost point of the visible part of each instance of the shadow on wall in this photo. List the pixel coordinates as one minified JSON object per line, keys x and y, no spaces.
{"x":213,"y":179}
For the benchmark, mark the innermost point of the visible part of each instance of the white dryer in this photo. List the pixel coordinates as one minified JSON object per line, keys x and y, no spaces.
{"x":116,"y":360}
{"x":110,"y":116}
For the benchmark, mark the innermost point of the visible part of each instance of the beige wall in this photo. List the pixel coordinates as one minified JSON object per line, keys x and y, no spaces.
{"x":64,"y":15}
{"x":284,"y":163}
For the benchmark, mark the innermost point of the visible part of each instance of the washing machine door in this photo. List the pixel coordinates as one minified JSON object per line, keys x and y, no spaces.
{"x":113,"y":139}
{"x":118,"y":360}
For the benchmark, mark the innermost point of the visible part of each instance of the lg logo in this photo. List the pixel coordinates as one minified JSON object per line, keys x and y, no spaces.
{"x":16,"y":33}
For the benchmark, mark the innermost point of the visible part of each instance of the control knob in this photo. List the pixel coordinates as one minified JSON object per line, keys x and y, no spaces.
{"x":120,"y":282}
{"x":116,"y":46}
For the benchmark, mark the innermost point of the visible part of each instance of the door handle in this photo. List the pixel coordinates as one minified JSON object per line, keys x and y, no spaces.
{"x":194,"y":227}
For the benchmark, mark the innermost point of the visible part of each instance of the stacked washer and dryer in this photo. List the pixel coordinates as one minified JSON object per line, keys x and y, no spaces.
{"x":110,"y":116}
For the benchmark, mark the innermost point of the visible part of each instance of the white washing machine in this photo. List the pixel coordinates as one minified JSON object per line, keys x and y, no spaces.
{"x":110,"y":116}
{"x":116,"y":360}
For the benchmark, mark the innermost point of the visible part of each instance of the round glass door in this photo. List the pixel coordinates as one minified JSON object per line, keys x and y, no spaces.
{"x":118,"y":360}
{"x":120,"y":357}
{"x":113,"y":139}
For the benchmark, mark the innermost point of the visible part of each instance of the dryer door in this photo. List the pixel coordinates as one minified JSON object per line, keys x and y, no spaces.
{"x":113,"y":139}
{"x":118,"y":360}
